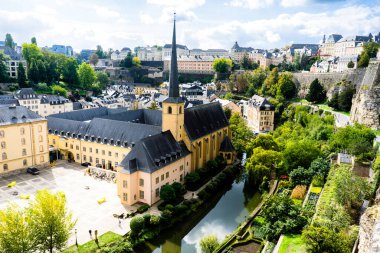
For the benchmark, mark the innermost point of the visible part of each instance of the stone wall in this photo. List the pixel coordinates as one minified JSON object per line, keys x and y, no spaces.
{"x":366,"y":103}
{"x":328,"y":80}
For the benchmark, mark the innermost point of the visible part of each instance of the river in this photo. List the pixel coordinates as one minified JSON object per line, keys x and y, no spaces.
{"x":220,"y":216}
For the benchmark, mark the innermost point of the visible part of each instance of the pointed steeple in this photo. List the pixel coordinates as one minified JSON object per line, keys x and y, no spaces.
{"x":173,"y":78}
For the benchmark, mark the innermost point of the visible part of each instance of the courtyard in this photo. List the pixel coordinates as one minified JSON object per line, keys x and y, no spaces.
{"x":82,"y":193}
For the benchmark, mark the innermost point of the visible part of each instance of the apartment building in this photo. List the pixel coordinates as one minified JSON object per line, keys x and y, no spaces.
{"x":259,"y":114}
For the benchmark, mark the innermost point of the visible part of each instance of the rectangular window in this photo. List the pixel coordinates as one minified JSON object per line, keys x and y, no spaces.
{"x":71,"y":146}
{"x":109,"y":153}
{"x":141,"y":182}
{"x":96,"y":151}
{"x":167,"y":174}
{"x":84,"y":158}
{"x":97,"y":160}
{"x":77,"y":147}
{"x":181,"y":178}
{"x":84,"y":149}
{"x":157,"y":180}
{"x":116,"y":155}
{"x":157,"y":192}
{"x":103,"y":152}
{"x":90,"y":150}
{"x":125,"y":183}
{"x":41,"y":148}
{"x":23,"y":151}
{"x":141,"y":194}
{"x":181,"y":168}
{"x":90,"y":159}
{"x":125,"y":196}
{"x":78,"y":157}
{"x":162,"y":177}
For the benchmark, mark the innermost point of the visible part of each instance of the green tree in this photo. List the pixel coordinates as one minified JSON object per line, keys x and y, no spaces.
{"x":320,"y":166}
{"x":50,"y":220}
{"x":30,"y":52}
{"x":4,"y":77}
{"x":300,"y":153}
{"x":127,"y":62}
{"x":222,"y":65}
{"x":256,"y":80}
{"x":246,"y":63}
{"x":100,"y":53}
{"x":369,"y":51}
{"x":227,"y":112}
{"x":86,"y":75}
{"x":9,"y":41}
{"x":333,"y":102}
{"x":42,"y":73}
{"x":102,"y":78}
{"x":153,"y":106}
{"x":301,"y":176}
{"x":209,"y":243}
{"x":282,"y":216}
{"x":241,"y":134}
{"x":21,"y":75}
{"x":241,"y":83}
{"x":345,"y":98}
{"x":167,"y":193}
{"x":137,"y":225}
{"x":16,"y":235}
{"x":350,"y":64}
{"x":270,"y":84}
{"x":33,"y":40}
{"x":265,"y":141}
{"x":136,"y":61}
{"x":286,"y":87}
{"x":317,"y":93}
{"x":69,"y":70}
{"x":33,"y":72}
{"x":58,"y":90}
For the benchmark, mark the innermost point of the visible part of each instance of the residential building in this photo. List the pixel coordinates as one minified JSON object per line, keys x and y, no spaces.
{"x":209,"y":52}
{"x":195,"y":92}
{"x":167,"y":50}
{"x":85,"y":54}
{"x":150,"y":53}
{"x":238,"y":52}
{"x":28,"y":98}
{"x":61,"y":49}
{"x":259,"y":114}
{"x":193,"y":64}
{"x":23,"y":139}
{"x":120,"y":55}
{"x":13,"y":61}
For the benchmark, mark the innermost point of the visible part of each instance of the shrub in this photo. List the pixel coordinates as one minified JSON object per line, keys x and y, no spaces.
{"x":154,"y":220}
{"x":318,"y":181}
{"x":147,"y":217}
{"x":136,"y":225}
{"x":299,"y":192}
{"x":142,"y":208}
{"x":169,"y":207}
{"x":167,"y":193}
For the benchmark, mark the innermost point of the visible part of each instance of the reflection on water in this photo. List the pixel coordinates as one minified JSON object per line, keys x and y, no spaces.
{"x":218,"y":217}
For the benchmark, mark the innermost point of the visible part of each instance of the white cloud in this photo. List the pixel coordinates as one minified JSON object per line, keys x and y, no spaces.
{"x":272,"y":37}
{"x":106,"y":12}
{"x":292,"y":3}
{"x":146,"y":19}
{"x":251,"y":4}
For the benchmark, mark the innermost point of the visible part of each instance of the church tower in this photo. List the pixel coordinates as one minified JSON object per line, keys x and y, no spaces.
{"x":173,"y":106}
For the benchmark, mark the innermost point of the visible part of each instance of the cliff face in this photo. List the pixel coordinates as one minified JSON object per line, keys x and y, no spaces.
{"x":366,"y":103}
{"x":369,"y":232}
{"x":328,"y":80}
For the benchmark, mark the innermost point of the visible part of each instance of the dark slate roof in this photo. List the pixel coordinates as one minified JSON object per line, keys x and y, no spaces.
{"x":204,"y":119}
{"x":10,"y":52}
{"x":226,"y":145}
{"x":6,"y":102}
{"x":126,"y":133}
{"x":153,"y":152}
{"x":26,"y":93}
{"x":238,"y":48}
{"x":77,"y":106}
{"x":53,"y":99}
{"x":262,"y":103}
{"x":334,"y":38}
{"x":142,"y":116}
{"x":87,"y":114}
{"x":17,"y":114}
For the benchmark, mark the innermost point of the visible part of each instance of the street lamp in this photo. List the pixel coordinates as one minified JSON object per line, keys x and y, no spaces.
{"x":76,"y":239}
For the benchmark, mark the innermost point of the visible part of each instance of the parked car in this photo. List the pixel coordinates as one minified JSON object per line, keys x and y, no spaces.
{"x":33,"y":171}
{"x":86,"y":164}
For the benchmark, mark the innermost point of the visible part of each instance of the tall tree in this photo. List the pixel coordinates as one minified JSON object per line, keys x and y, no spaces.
{"x":31,"y":51}
{"x":286,"y":87}
{"x":86,"y":75}
{"x":241,"y":83}
{"x":21,"y":75}
{"x":345,"y":98}
{"x":33,"y":40}
{"x":33,"y":72}
{"x":317,"y":93}
{"x":4,"y":77}
{"x":9,"y":41}
{"x":369,"y":51}
{"x":50,"y":220}
{"x":16,"y":234}
{"x":127,"y":62}
{"x":102,"y":78}
{"x":42,"y":71}
{"x":245,"y":63}
{"x":270,"y":83}
{"x":100,"y":53}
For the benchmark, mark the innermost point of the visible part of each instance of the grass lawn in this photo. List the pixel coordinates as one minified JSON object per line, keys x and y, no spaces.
{"x":315,"y":189}
{"x":328,"y":108}
{"x":292,"y":244}
{"x":90,"y":246}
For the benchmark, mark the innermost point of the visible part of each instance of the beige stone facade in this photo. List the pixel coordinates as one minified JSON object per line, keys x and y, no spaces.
{"x":259,"y":114}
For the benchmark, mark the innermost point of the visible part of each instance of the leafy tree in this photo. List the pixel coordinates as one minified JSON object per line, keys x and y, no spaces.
{"x":153,"y":106}
{"x":33,"y":72}
{"x":33,"y":40}
{"x":16,"y":234}
{"x":301,"y":176}
{"x":256,"y":79}
{"x":282,"y":216}
{"x":179,"y":189}
{"x":222,"y":65}
{"x":270,"y":84}
{"x":100,"y":53}
{"x":127,"y":62}
{"x":241,"y":83}
{"x":209,"y":244}
{"x":350,"y":64}
{"x":3,"y":69}
{"x":345,"y":98}
{"x":137,"y":225}
{"x":21,"y":75}
{"x":69,"y":70}
{"x":286,"y":87}
{"x":320,"y":166}
{"x":102,"y":78}
{"x":42,"y":75}
{"x":58,"y":90}
{"x":317,"y":93}
{"x":333,"y":102}
{"x":300,"y":153}
{"x":86,"y":75}
{"x":246,"y":63}
{"x":265,"y":141}
{"x":349,"y":188}
{"x":241,"y":134}
{"x":369,"y":51}
{"x":167,"y":193}
{"x":9,"y":41}
{"x":50,"y":220}
{"x":30,"y":52}
{"x":94,"y":59}
{"x":227,"y":112}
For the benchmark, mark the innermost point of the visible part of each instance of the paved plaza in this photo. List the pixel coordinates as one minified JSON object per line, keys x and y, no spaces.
{"x":70,"y":178}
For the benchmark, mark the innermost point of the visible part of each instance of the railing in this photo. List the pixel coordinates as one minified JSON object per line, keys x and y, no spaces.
{"x":102,"y":174}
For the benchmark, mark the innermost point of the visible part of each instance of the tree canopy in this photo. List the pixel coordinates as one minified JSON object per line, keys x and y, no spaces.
{"x":222,"y":65}
{"x":317,"y":93}
{"x":87,"y":75}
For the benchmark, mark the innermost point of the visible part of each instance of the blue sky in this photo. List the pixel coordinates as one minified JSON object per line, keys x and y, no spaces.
{"x":201,"y":23}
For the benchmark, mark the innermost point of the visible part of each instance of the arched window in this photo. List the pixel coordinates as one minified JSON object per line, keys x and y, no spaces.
{"x":180,"y":109}
{"x":40,"y":138}
{"x":5,"y":167}
{"x":4,"y":156}
{"x":1,"y":134}
{"x":3,"y":145}
{"x":170,"y":110}
{"x":25,"y":162}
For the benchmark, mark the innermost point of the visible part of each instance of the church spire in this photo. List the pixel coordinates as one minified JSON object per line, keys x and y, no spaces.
{"x":173,"y":78}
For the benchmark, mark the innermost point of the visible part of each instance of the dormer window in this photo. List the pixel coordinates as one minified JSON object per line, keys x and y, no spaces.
{"x":79,"y":136}
{"x":99,"y":139}
{"x":125,"y":144}
{"x":74,"y":135}
{"x":105,"y":140}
